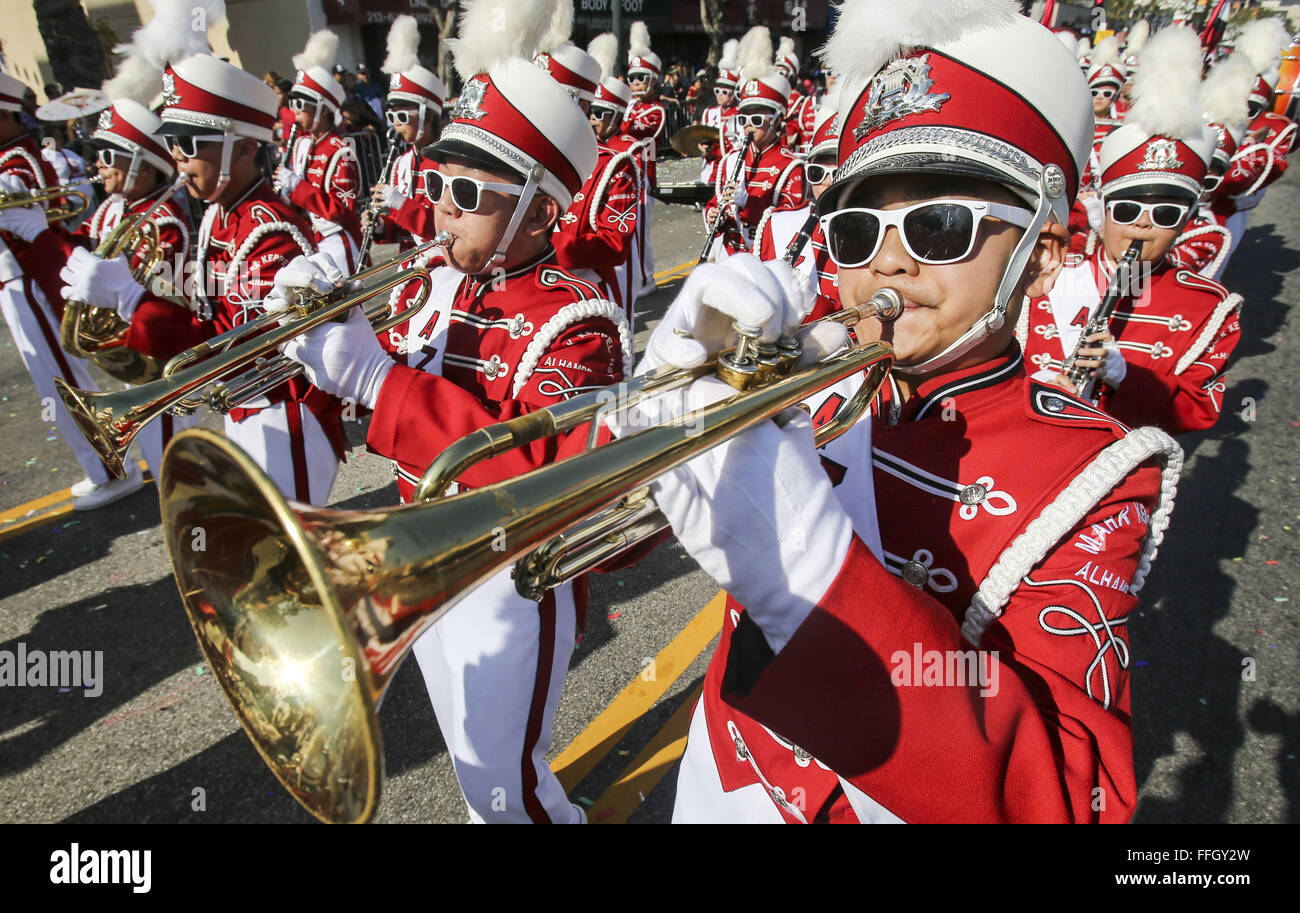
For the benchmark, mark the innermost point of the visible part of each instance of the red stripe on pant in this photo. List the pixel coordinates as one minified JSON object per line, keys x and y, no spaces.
{"x":541,"y":690}
{"x":298,"y":447}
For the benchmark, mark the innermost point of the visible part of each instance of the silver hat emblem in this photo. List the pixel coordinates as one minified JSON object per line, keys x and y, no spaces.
{"x":170,"y":97}
{"x":900,"y":89}
{"x":1161,"y":155}
{"x":106,"y":119}
{"x":467,"y":107}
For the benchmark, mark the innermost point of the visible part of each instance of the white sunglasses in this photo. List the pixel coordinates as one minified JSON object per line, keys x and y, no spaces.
{"x":466,"y":192}
{"x":936,"y":232}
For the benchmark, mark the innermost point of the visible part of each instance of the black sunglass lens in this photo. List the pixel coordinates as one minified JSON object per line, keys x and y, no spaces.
{"x":464,"y":193}
{"x":1126,"y":213}
{"x":851,"y":237}
{"x":939,"y":232}
{"x":1166,"y":215}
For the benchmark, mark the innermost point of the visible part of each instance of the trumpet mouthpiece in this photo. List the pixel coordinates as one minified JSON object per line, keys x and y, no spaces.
{"x":886,"y":304}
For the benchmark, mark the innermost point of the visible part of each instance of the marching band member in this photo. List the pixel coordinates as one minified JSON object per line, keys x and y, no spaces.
{"x":505,"y":331}
{"x":1163,"y":359}
{"x":782,"y":225}
{"x":137,"y":170}
{"x":219,"y":121}
{"x":919,"y":537}
{"x":1106,"y":76}
{"x":723,"y":114}
{"x":645,"y":121}
{"x":801,"y":110}
{"x":32,"y":304}
{"x":600,"y":230}
{"x":415,"y":100}
{"x":323,"y":177}
{"x":769,"y":175}
{"x":1137,"y":40}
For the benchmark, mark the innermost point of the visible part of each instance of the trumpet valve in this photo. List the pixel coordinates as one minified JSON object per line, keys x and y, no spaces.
{"x":739,"y":367}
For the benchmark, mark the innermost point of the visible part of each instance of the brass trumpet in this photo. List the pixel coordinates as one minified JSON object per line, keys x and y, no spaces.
{"x":99,"y":334}
{"x":246,"y":354}
{"x":304,"y":614}
{"x":67,"y":210}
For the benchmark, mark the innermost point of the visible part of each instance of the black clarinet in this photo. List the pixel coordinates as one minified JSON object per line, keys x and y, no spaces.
{"x":802,"y":237}
{"x":723,"y":210}
{"x":372,"y":211}
{"x":1080,"y":376}
{"x":287,"y":157}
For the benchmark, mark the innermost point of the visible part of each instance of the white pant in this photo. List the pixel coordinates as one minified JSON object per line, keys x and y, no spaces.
{"x":343,"y":251}
{"x":648,"y":283}
{"x":700,"y":798}
{"x":494,"y":666}
{"x":266,"y":437}
{"x":154,"y":437}
{"x":1236,"y":225}
{"x":36,"y":336}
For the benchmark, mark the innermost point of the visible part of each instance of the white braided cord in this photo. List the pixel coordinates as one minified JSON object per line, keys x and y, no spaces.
{"x":1221,"y":312}
{"x":565,"y":317}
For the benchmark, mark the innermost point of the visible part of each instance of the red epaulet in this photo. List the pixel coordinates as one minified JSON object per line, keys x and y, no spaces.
{"x":1053,"y":406}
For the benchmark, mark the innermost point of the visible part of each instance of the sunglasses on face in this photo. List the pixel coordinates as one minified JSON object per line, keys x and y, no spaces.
{"x":400,"y":117}
{"x":466,"y":192}
{"x":936,"y":232}
{"x":300,"y":103}
{"x":816,"y":174}
{"x":1212,"y":181}
{"x":721,"y":91}
{"x":754,"y":120}
{"x":187,"y":147}
{"x":1103,"y":93}
{"x":600,"y":112}
{"x":108,"y":157}
{"x":1163,"y":215}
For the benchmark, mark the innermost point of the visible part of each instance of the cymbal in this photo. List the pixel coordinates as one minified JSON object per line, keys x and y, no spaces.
{"x":72,"y":105}
{"x":687,"y":140}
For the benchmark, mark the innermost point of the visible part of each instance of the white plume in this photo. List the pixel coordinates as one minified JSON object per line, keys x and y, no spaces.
{"x":871,"y":33}
{"x":1225,"y":92}
{"x":403,"y":45}
{"x":639,"y":40}
{"x":730,"y":55}
{"x":756,"y":54}
{"x":493,"y":31}
{"x":1081,"y":48}
{"x":169,"y":37}
{"x":560,"y":29}
{"x":785,"y":46}
{"x":604,"y":47}
{"x":1067,"y":39}
{"x":1262,"y":41}
{"x":1165,"y":91}
{"x":1137,"y":37}
{"x":1106,"y":51}
{"x":322,"y":47}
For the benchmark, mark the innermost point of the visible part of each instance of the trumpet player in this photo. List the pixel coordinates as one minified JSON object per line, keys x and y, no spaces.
{"x":217,"y":120}
{"x":505,"y":331}
{"x":769,"y":174}
{"x":136,"y":169}
{"x":1163,"y":359}
{"x":912,"y":634}
{"x":32,"y":304}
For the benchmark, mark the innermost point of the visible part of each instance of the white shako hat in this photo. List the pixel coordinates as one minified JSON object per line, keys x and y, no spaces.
{"x":729,"y":66}
{"x":510,"y":114}
{"x":1164,"y":145}
{"x":786,"y":59}
{"x":314,"y":64}
{"x":1104,"y":67}
{"x":1223,"y":102}
{"x":760,"y":83}
{"x":408,"y":81}
{"x":611,"y":92}
{"x":568,"y":65}
{"x":641,"y":61}
{"x":961,"y":87}
{"x":826,"y":125}
{"x":203,"y":94}
{"x":1261,"y":42}
{"x":11,"y":93}
{"x":131,"y":127}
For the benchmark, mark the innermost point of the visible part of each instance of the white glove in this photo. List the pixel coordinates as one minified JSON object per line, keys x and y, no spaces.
{"x":392,"y":198}
{"x":1113,"y":370}
{"x":317,"y":272}
{"x":101,"y":283}
{"x":761,"y":517}
{"x":25,"y":222}
{"x":286,"y":180}
{"x":344,"y":359}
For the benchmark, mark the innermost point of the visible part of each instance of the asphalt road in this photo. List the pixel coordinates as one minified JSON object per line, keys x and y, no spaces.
{"x":1216,"y":690}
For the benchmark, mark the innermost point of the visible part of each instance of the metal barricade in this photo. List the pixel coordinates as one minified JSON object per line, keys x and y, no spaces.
{"x":369,"y":148}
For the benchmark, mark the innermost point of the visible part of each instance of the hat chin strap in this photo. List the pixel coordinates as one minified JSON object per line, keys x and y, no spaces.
{"x":132,"y":170}
{"x":1050,"y":186}
{"x":223,"y":180}
{"x":525,"y":198}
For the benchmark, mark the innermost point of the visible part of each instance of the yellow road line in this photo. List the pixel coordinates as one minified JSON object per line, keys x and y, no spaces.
{"x":636,"y":781}
{"x":679,"y":268}
{"x":599,"y":738}
{"x":16,"y":522}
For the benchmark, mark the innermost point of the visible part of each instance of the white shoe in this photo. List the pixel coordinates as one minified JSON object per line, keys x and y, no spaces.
{"x":112,"y":490}
{"x":83,"y":488}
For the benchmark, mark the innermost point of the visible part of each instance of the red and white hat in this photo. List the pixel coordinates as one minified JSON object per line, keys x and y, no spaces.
{"x":729,"y":66}
{"x":611,"y":92}
{"x":826,"y":126}
{"x":1104,"y":67}
{"x":11,"y":93}
{"x":641,"y":61}
{"x":1164,"y":145}
{"x":761,"y":86}
{"x":203,"y":94}
{"x":1223,"y":102}
{"x":418,"y":85}
{"x":568,"y":65}
{"x":315,"y":79}
{"x":131,"y":127}
{"x":786,"y":59}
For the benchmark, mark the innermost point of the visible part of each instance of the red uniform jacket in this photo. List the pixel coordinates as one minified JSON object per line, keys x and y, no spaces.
{"x":1176,"y":338}
{"x":771,"y":177}
{"x":21,"y":157}
{"x":776,"y":230}
{"x":1090,"y":183}
{"x":645,"y":119}
{"x":600,"y":227}
{"x":726,"y":143}
{"x":486,"y":350}
{"x":412,"y":222}
{"x":330,"y":185}
{"x":847,"y":722}
{"x":800,"y":120}
{"x":1256,"y":164}
{"x":1202,"y":244}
